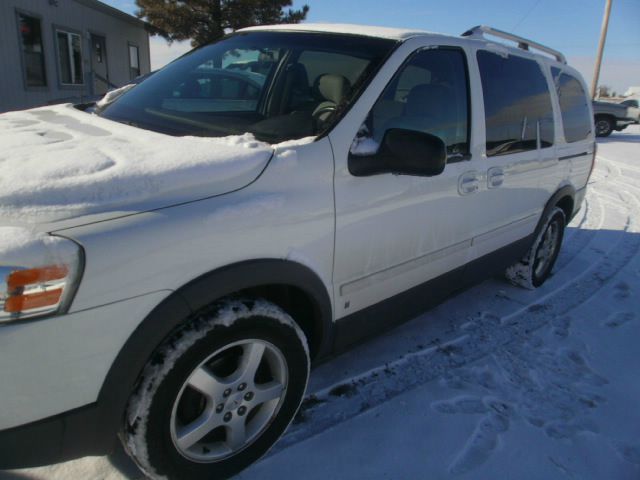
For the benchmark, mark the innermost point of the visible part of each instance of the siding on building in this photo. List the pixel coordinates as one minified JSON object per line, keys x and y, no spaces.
{"x":80,"y":16}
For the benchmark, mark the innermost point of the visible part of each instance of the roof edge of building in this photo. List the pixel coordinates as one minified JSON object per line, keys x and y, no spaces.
{"x":114,"y":12}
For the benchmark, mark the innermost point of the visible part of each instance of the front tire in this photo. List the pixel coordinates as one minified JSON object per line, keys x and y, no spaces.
{"x":536,"y":266}
{"x":218,"y":393}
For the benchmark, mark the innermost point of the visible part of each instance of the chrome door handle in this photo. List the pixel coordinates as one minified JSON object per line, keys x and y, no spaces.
{"x":468,"y":183}
{"x":495,"y":177}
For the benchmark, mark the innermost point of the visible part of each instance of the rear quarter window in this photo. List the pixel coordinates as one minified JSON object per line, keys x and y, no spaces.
{"x":517,"y":104}
{"x":574,"y":106}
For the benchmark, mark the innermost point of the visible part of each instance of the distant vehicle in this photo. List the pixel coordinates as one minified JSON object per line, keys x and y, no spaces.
{"x":609,"y":116}
{"x":633,"y":104}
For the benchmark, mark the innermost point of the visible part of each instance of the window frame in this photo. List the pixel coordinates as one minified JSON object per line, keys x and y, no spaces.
{"x":68,"y":31}
{"x":23,"y":64}
{"x":137,"y":47}
{"x":461,"y":157}
{"x":550,"y":90}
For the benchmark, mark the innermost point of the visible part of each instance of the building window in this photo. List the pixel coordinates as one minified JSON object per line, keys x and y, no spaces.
{"x":134,"y":62}
{"x":70,"y":58}
{"x":32,"y":51}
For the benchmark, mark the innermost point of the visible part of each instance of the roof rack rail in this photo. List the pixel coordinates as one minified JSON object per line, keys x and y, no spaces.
{"x":523,"y":43}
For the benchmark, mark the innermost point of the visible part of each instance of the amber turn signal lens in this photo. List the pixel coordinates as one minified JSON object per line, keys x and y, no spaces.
{"x":18,"y":303}
{"x":32,"y":276}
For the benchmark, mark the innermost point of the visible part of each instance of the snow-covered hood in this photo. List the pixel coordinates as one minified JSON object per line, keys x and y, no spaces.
{"x":58,"y":163}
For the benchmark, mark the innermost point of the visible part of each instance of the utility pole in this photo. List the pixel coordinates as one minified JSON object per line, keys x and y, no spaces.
{"x":603,"y":38}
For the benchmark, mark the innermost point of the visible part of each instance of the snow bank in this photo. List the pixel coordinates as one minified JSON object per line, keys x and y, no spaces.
{"x":58,"y":162}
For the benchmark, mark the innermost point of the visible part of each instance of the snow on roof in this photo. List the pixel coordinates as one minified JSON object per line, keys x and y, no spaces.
{"x":59,"y":162}
{"x":353,"y":29}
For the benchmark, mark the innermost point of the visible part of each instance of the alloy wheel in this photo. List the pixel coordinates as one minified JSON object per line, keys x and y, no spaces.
{"x":228,"y":400}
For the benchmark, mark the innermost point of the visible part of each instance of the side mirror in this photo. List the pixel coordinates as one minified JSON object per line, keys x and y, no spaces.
{"x":403,"y":152}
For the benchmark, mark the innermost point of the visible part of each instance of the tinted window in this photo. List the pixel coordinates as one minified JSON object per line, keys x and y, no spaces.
{"x":32,"y":51}
{"x":574,"y":106}
{"x":517,"y":104}
{"x":276,"y":85}
{"x":428,"y":94}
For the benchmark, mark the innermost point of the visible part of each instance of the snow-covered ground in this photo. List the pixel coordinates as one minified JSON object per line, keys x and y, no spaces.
{"x":497,"y":382}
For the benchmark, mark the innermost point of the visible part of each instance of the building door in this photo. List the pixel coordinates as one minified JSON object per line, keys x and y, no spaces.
{"x":99,"y":67}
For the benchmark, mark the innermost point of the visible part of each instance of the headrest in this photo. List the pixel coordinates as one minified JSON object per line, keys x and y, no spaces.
{"x":297,"y":74}
{"x":333,"y":87}
{"x":425,"y":99}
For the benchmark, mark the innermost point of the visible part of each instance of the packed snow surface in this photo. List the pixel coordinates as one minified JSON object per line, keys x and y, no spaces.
{"x":59,"y":162}
{"x":497,"y":382}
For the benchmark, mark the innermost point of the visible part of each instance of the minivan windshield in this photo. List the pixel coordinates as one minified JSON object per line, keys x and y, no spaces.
{"x":276,"y":85}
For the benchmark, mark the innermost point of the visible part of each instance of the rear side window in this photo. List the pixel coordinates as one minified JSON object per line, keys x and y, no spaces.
{"x":517,"y":104}
{"x":574,"y":106}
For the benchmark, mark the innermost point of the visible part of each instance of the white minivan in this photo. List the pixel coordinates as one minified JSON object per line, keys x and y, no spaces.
{"x":174,"y":258}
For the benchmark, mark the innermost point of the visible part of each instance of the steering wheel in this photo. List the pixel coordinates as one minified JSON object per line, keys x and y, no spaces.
{"x":322,"y":114}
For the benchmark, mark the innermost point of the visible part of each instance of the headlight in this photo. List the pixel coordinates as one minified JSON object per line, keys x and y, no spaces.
{"x":39,"y":274}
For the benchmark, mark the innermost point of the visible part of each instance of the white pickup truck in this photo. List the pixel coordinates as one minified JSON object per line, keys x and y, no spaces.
{"x":609,"y":116}
{"x":633,"y":105}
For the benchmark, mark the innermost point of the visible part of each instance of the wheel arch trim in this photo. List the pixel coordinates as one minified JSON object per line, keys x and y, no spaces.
{"x":186,"y":301}
{"x":557,"y":199}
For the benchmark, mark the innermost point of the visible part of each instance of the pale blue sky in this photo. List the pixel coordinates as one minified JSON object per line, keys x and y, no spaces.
{"x":572,"y":26}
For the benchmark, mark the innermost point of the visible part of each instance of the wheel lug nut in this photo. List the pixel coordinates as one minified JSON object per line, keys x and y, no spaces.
{"x":248,"y":396}
{"x":242,"y":386}
{"x":242,"y":411}
{"x":227,"y":417}
{"x":219,"y":408}
{"x":227,"y":392}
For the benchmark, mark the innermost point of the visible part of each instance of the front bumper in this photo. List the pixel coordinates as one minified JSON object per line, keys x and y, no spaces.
{"x":62,"y":437}
{"x":52,"y":372}
{"x":623,"y":123}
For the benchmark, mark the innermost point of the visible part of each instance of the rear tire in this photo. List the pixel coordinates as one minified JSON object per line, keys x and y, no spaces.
{"x":218,"y":393}
{"x":604,"y":126}
{"x":536,"y":266}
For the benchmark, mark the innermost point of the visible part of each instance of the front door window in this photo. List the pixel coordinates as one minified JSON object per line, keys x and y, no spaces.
{"x":428,"y":94}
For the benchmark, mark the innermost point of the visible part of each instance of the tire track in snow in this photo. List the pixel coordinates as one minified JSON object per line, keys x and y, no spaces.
{"x":583,"y":234}
{"x":551,"y":387}
{"x":333,"y":405}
